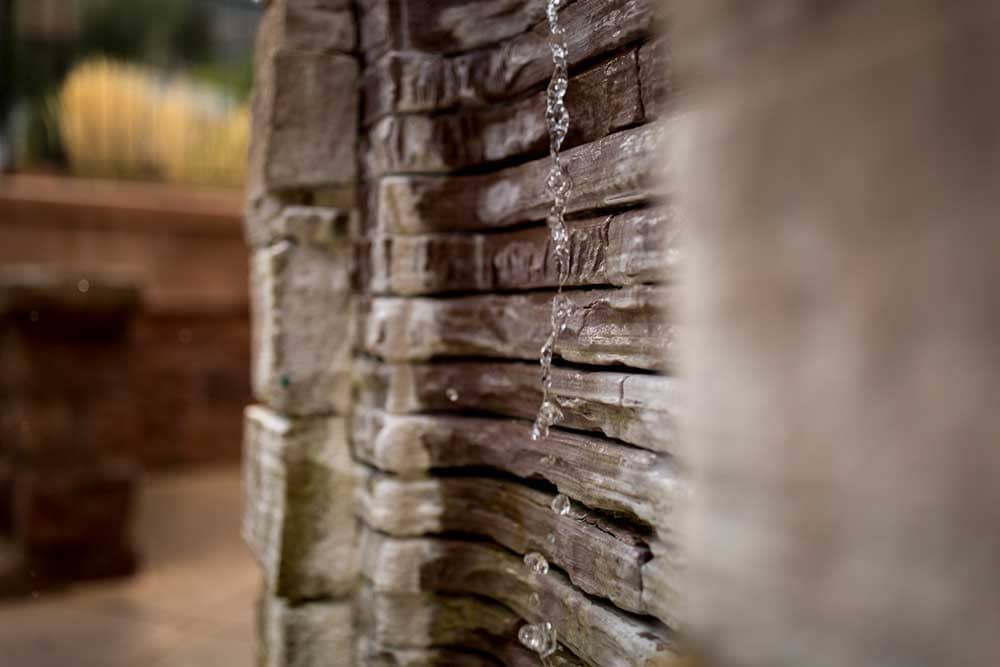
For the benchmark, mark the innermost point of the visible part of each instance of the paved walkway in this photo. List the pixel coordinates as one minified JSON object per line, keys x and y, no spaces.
{"x":192,"y":605}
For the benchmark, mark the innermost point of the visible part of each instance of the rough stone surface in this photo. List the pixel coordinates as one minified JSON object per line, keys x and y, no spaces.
{"x":308,"y":26}
{"x":639,"y":409}
{"x":614,"y":171}
{"x":597,"y":472}
{"x":302,"y":319}
{"x":624,"y":249}
{"x":602,"y":100}
{"x":312,"y":634}
{"x":656,"y":78}
{"x":626,"y":327}
{"x":445,"y":26}
{"x":600,"y":556}
{"x":299,"y":504}
{"x":408,"y":81}
{"x":595,"y":632}
{"x":302,"y":102}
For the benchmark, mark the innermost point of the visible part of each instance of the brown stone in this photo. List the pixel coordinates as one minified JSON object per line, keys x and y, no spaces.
{"x":447,"y":26}
{"x":617,"y":170}
{"x":624,"y":249}
{"x":308,"y":26}
{"x":601,"y":100}
{"x":302,"y":317}
{"x":640,"y":409}
{"x":626,"y":326}
{"x":408,"y":81}
{"x":600,"y":473}
{"x":599,"y":634}
{"x":299,"y":519}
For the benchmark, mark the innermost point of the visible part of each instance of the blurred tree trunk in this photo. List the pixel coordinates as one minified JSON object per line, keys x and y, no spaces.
{"x":839,"y":186}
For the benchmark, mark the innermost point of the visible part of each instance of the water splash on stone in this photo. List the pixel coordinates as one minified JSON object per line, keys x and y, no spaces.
{"x":536,"y":563}
{"x":559,"y":187}
{"x":539,"y":637}
{"x":561,"y":505}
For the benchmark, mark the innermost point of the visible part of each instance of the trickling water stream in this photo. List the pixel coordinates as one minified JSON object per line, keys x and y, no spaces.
{"x":558,"y":186}
{"x":541,"y":637}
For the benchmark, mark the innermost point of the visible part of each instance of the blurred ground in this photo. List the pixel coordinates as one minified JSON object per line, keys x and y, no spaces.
{"x":192,"y":604}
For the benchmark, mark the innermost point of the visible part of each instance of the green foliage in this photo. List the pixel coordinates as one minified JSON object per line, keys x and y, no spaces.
{"x":165,"y":33}
{"x":235,"y":79}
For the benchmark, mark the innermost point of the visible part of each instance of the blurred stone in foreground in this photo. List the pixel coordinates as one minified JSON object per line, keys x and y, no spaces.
{"x":840,"y":204}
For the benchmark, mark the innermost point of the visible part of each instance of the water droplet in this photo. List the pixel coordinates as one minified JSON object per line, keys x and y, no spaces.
{"x":551,"y":538}
{"x":539,"y":637}
{"x":34,"y":316}
{"x":561,"y":505}
{"x":548,"y":460}
{"x":534,"y":600}
{"x":559,"y":187}
{"x":536,"y":563}
{"x":83,"y":286}
{"x":452,"y":394}
{"x":184,"y":336}
{"x":35,"y":595}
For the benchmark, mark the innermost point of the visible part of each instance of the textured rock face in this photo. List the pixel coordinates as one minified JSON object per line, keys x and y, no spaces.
{"x":411,"y":325}
{"x":300,"y":222}
{"x":300,"y":285}
{"x":842,"y":354}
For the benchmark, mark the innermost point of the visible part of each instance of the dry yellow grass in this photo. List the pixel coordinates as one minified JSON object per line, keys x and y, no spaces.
{"x":120,"y":120}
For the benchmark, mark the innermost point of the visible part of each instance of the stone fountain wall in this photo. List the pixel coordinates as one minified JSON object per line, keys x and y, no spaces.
{"x":402,"y":285}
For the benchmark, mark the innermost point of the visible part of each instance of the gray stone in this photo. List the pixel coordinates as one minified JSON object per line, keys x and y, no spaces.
{"x":298,"y":518}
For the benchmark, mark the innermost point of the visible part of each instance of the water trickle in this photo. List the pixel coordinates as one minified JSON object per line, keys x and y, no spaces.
{"x":539,"y":637}
{"x":536,"y":563}
{"x":558,"y":186}
{"x":452,"y":394}
{"x":561,"y":505}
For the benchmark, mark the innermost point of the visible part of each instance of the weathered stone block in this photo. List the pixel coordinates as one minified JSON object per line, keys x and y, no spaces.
{"x":302,"y":317}
{"x":307,"y":26}
{"x":305,"y":109}
{"x":318,"y":225}
{"x":656,"y":77}
{"x":313,"y":634}
{"x":601,"y":100}
{"x":299,"y":518}
{"x":639,"y":408}
{"x":618,"y":326}
{"x":447,"y":26}
{"x":407,"y":81}
{"x":410,"y":576}
{"x":617,"y":170}
{"x":634,"y":247}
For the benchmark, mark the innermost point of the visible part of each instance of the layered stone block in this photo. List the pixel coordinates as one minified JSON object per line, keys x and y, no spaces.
{"x":299,"y":515}
{"x":312,"y":634}
{"x":302,"y":316}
